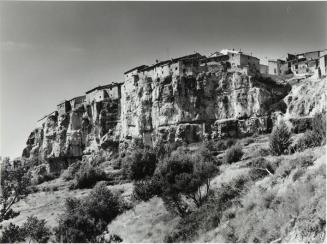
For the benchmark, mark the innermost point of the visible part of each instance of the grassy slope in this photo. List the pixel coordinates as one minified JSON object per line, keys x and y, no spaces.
{"x":150,"y":221}
{"x":268,"y":218}
{"x":49,"y":205}
{"x":147,"y":222}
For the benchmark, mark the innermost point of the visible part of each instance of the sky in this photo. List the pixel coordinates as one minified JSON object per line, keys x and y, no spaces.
{"x":52,"y":51}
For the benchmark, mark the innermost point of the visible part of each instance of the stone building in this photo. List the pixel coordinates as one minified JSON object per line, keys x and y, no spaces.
{"x":41,"y":121}
{"x":64,"y":107}
{"x":304,"y":63}
{"x":183,"y":66}
{"x":240,"y":61}
{"x":323,"y":64}
{"x":76,"y":101}
{"x":277,"y":67}
{"x":263,"y":69}
{"x":101,"y":93}
{"x":214,"y":63}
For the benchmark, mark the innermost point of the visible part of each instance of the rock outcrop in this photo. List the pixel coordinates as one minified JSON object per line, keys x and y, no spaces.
{"x":166,"y":107}
{"x":306,"y":98}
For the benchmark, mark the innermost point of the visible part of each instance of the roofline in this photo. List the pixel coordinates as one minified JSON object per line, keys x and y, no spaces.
{"x":321,"y":50}
{"x":76,"y":97}
{"x":248,"y":55}
{"x":46,"y":116}
{"x":135,"y":68}
{"x":104,"y":87}
{"x":173,"y":60}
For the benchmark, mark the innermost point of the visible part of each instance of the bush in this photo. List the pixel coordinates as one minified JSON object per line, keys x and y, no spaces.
{"x":33,"y":229}
{"x":12,"y":233}
{"x":209,"y":215}
{"x":319,"y":126}
{"x":230,"y":142}
{"x":185,"y":174}
{"x":70,"y":172}
{"x":261,"y":167}
{"x":286,"y":167}
{"x":248,"y":141}
{"x":145,"y":190}
{"x":87,"y":176}
{"x":36,"y":230}
{"x":85,"y":219}
{"x":307,"y":140}
{"x":280,"y":139}
{"x":14,"y":185}
{"x":233,"y":154}
{"x":143,"y":164}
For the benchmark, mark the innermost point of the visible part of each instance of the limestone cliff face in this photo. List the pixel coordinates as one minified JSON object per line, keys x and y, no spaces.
{"x":307,"y":97}
{"x":170,"y":107}
{"x":186,"y":107}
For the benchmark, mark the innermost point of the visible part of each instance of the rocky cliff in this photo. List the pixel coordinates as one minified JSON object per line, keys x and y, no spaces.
{"x":186,"y":108}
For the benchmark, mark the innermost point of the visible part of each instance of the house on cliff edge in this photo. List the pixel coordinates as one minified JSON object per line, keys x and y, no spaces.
{"x":239,"y":61}
{"x":100,"y":93}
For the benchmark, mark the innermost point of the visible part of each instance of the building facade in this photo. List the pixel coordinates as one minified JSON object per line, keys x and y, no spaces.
{"x":263,"y":69}
{"x":277,"y":67}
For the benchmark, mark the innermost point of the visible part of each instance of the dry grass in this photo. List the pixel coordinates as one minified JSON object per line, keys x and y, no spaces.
{"x":290,"y":208}
{"x":50,"y":204}
{"x":147,"y":222}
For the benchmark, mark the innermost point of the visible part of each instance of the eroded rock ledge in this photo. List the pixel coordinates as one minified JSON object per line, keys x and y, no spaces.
{"x":164,"y":108}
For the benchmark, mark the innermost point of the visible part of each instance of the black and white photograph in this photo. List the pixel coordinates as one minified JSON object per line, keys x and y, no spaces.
{"x":163,"y":121}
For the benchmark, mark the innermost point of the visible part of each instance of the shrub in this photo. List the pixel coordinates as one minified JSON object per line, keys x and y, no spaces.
{"x":33,"y":229}
{"x":260,"y":167}
{"x":12,"y":233}
{"x":183,"y":173}
{"x":70,"y":172}
{"x":319,"y":126}
{"x":85,"y":219}
{"x":145,"y":190}
{"x":249,"y":141}
{"x":307,"y":140}
{"x":36,"y":230}
{"x":87,"y":176}
{"x":286,"y":167}
{"x":230,"y":142}
{"x":14,"y":185}
{"x":143,"y":164}
{"x":164,"y":150}
{"x":280,"y":138}
{"x":209,"y":215}
{"x":44,"y":178}
{"x":233,"y":154}
{"x":103,"y":204}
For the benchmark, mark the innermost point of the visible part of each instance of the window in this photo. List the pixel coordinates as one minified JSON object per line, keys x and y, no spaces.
{"x":176,"y":68}
{"x":275,"y":71}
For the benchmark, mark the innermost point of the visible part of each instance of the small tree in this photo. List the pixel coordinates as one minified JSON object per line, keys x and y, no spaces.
{"x":36,"y":230}
{"x":85,"y":219}
{"x":14,"y":185}
{"x":12,"y":233}
{"x":233,"y":154}
{"x":87,"y":176}
{"x":185,"y":174}
{"x":143,"y":164}
{"x":280,"y":138}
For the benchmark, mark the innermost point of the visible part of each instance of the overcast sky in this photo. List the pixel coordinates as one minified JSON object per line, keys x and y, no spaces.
{"x":51,"y":51}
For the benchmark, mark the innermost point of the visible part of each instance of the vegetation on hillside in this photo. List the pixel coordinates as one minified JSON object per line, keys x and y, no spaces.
{"x":279,"y":193}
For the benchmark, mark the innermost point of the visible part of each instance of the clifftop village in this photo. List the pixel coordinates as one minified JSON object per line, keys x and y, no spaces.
{"x":300,"y":65}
